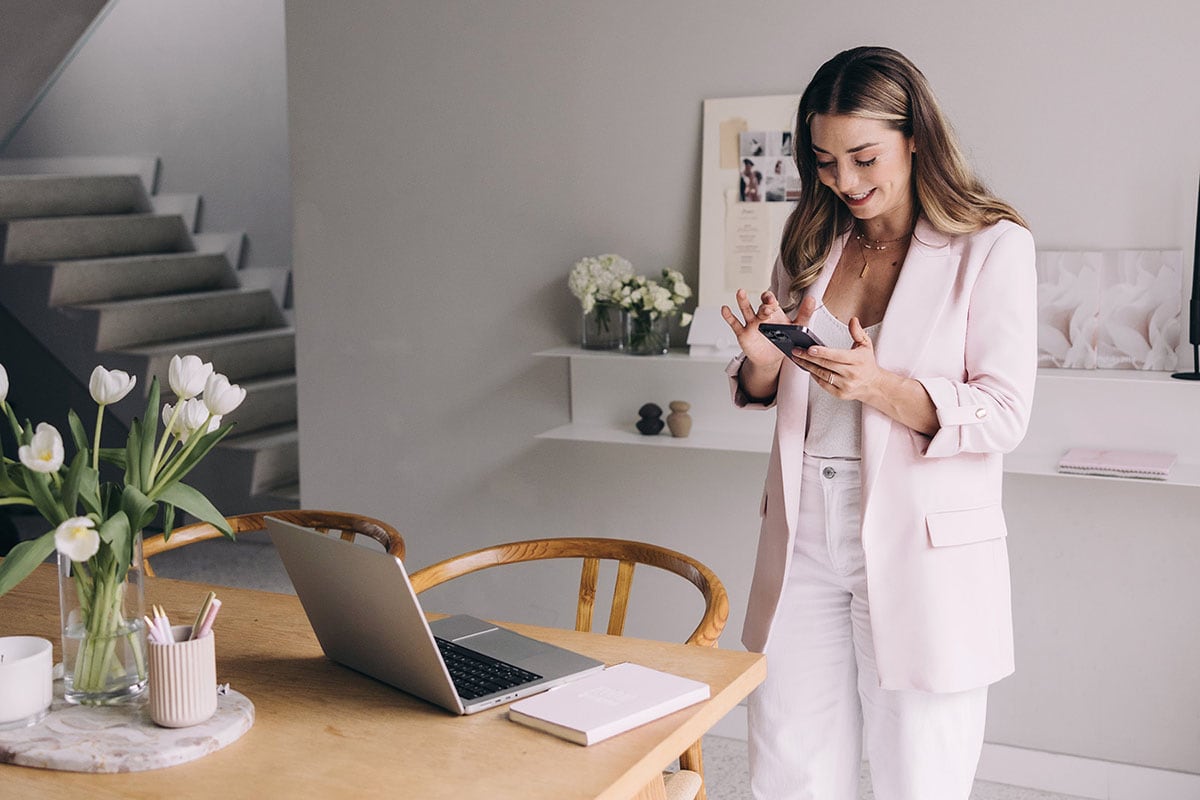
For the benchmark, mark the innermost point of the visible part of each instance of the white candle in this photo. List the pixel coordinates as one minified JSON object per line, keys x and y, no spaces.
{"x":26,"y":679}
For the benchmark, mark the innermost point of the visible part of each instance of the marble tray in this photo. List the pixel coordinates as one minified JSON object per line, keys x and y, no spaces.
{"x":121,"y":738}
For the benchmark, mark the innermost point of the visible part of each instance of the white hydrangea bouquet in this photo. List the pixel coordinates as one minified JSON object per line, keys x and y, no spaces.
{"x":649,"y":305}
{"x":96,"y":525}
{"x":597,"y":282}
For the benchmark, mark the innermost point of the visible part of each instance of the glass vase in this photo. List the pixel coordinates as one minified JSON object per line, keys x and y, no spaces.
{"x":603,"y":327}
{"x":103,"y":636}
{"x":646,"y":336}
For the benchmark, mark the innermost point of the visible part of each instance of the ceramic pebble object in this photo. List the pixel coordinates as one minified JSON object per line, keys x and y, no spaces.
{"x":650,"y":422}
{"x":679,"y":420}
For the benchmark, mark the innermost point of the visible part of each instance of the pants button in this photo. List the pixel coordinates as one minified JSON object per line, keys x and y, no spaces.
{"x":829,"y":472}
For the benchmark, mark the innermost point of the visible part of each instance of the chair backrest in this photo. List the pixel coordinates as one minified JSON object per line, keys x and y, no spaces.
{"x":626,"y":553}
{"x":346,"y":525}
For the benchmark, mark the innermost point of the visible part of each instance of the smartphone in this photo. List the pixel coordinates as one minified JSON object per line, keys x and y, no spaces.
{"x":787,"y":337}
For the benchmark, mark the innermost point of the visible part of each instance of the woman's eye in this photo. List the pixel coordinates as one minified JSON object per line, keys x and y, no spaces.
{"x":866,"y":163}
{"x":824,"y":164}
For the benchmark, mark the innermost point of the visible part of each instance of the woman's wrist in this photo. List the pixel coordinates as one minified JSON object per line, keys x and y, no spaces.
{"x":759,"y":383}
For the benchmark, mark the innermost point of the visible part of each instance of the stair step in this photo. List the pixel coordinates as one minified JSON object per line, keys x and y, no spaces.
{"x":269,"y":403}
{"x":122,"y":323}
{"x":233,"y":245}
{"x":184,"y":205}
{"x":274,"y":279}
{"x":274,"y":454}
{"x":27,"y":196}
{"x":145,"y":167}
{"x":95,"y":280}
{"x":238,"y":356}
{"x":55,"y":238}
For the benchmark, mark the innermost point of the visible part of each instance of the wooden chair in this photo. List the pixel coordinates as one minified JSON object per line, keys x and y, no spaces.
{"x":627,"y":554}
{"x":347,"y":525}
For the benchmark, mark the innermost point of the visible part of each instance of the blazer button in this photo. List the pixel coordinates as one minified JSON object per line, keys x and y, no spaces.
{"x":980,"y":413}
{"x":829,"y":472}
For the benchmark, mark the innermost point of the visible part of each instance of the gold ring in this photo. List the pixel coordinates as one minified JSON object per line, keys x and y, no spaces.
{"x":829,"y":378}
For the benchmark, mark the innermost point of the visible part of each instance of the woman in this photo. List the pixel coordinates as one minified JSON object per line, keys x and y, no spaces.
{"x":881,"y":589}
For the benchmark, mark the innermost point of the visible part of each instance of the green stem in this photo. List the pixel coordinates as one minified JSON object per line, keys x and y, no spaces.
{"x":96,"y":439}
{"x":171,"y":468}
{"x":16,"y":501}
{"x":162,"y":444}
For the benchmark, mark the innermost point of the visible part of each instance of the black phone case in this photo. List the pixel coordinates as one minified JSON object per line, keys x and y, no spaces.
{"x":787,"y":337}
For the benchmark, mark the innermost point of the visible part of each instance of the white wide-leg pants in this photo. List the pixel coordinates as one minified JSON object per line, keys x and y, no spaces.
{"x":807,"y":720}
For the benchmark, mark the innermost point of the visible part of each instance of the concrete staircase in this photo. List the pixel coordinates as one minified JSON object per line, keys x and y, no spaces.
{"x":99,"y":269}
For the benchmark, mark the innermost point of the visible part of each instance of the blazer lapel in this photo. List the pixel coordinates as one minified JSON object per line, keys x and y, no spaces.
{"x":921,"y":292}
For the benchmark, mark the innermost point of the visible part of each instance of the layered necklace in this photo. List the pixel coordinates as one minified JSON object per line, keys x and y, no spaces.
{"x":879,"y":245}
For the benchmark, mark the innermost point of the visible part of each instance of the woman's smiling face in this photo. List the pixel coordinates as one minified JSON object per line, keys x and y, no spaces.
{"x":867,"y":164}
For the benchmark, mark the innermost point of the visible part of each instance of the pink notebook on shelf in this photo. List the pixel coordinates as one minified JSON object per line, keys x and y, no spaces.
{"x":1117,"y":463}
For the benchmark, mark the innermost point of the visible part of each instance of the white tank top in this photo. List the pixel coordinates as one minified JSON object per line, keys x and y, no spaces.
{"x":834,"y":425}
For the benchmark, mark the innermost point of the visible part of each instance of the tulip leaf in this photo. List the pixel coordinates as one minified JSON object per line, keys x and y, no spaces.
{"x":77,"y":432}
{"x":70,"y":487}
{"x":196,"y":504}
{"x":168,"y":520}
{"x":115,"y":531}
{"x":38,"y":486}
{"x":12,"y":421}
{"x":23,"y":559}
{"x":138,"y":508}
{"x":7,"y":487}
{"x":133,"y":454}
{"x":113,"y":455}
{"x":149,"y":433}
{"x":207,"y":442}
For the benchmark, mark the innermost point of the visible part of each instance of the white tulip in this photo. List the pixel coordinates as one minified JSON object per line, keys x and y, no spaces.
{"x":110,"y":386}
{"x":44,"y":453}
{"x":77,"y":538}
{"x":187,"y":376}
{"x":3,"y":384}
{"x":191,"y":418}
{"x":220,"y":396}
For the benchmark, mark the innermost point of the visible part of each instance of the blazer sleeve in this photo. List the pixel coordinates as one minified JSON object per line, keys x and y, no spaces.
{"x":988,"y":412}
{"x":779,"y":284}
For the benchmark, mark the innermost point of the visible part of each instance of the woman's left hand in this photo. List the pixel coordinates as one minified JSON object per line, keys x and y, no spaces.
{"x":847,"y":374}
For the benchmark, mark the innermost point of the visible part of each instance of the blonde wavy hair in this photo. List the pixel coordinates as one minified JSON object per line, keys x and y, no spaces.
{"x":880,"y":83}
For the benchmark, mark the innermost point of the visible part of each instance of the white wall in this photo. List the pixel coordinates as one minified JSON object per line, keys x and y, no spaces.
{"x":200,"y":84}
{"x":450,"y":162}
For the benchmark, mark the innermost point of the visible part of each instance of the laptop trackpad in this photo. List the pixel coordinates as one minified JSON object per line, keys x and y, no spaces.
{"x":484,"y":637}
{"x":506,"y":646}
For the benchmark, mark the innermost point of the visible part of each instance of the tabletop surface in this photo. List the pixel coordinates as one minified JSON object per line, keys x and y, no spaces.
{"x":322,"y":730}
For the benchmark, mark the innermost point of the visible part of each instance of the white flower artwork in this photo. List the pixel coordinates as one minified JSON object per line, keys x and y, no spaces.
{"x":1116,"y":309}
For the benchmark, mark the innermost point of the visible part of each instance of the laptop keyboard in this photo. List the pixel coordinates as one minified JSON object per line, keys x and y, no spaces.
{"x":475,"y":674}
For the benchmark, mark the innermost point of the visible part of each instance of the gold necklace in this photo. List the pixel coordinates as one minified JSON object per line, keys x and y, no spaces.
{"x":865,"y":244}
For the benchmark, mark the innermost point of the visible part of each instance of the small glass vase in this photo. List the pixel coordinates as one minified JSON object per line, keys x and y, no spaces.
{"x":604,"y":327}
{"x":103,"y":636}
{"x":646,"y":336}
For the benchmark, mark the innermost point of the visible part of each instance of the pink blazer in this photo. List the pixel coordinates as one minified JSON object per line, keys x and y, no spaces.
{"x":963,"y":321}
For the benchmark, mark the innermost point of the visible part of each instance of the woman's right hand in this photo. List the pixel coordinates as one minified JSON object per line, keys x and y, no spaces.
{"x":758,"y":349}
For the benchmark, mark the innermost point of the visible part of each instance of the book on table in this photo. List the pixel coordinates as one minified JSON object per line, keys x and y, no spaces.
{"x":1117,"y":463}
{"x":603,"y":704}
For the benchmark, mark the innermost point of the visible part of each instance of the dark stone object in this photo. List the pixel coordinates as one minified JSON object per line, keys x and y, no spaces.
{"x":651,"y":421}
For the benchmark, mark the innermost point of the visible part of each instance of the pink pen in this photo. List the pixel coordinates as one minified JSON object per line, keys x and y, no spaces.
{"x":209,"y":618}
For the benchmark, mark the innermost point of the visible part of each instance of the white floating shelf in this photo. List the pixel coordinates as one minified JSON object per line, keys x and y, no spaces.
{"x":1103,"y":409}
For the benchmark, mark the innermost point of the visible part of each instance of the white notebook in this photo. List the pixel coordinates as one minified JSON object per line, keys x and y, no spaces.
{"x":608,"y":702}
{"x":1117,"y":463}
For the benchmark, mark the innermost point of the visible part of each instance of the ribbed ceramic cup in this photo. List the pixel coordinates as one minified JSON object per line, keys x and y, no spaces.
{"x":183,"y":679}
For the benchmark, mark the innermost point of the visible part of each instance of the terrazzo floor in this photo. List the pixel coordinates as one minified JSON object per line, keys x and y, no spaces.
{"x":728,"y":777}
{"x":258,"y":567}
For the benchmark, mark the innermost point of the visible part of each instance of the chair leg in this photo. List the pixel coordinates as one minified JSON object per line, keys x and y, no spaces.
{"x":693,"y":759}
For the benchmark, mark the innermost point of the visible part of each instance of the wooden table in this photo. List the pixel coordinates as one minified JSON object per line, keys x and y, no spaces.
{"x":322,"y":730}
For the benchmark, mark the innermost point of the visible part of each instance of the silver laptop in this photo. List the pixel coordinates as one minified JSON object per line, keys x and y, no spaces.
{"x":366,"y":616}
